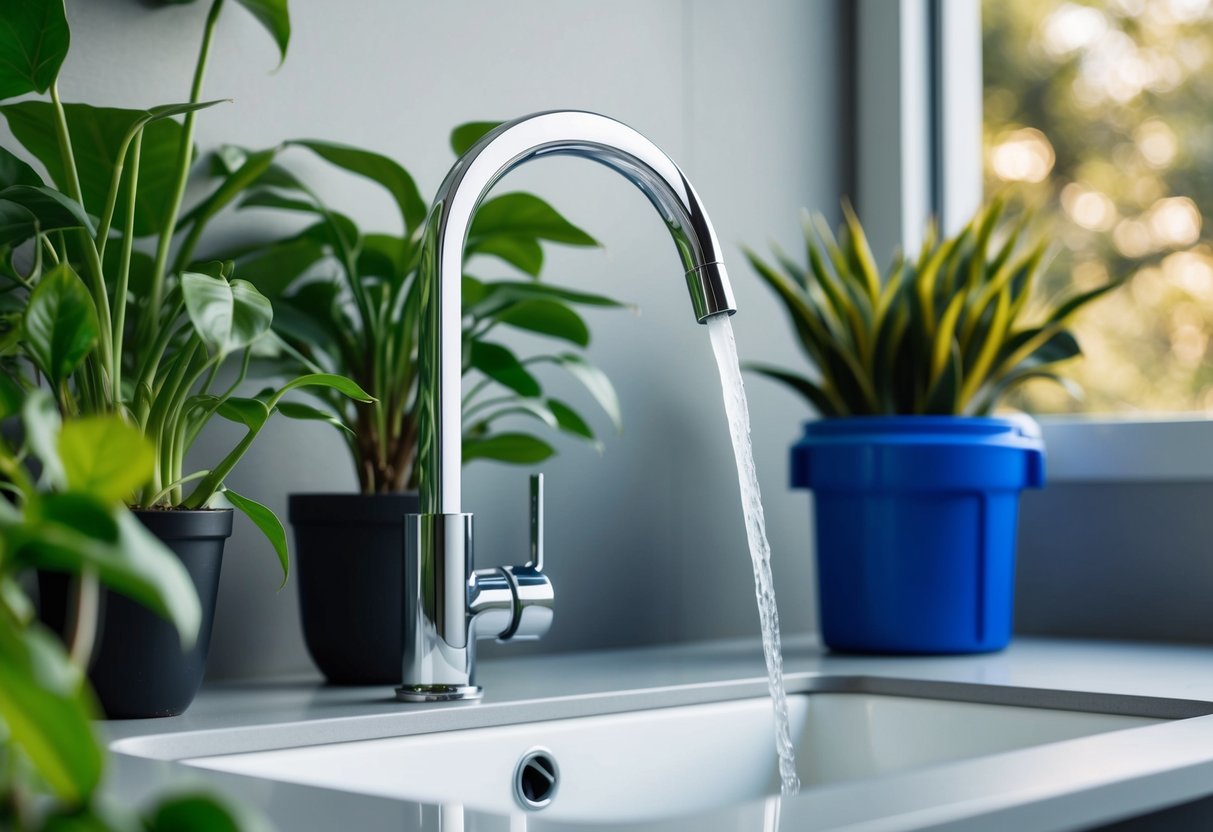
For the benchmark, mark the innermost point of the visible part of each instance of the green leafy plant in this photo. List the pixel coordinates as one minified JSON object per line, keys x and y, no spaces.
{"x":71,"y":519}
{"x":951,"y":332}
{"x":100,"y":300}
{"x":347,"y":303}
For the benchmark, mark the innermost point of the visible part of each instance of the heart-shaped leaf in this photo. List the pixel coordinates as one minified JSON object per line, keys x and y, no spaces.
{"x":34,"y":38}
{"x":105,"y":457}
{"x":227,"y":315}
{"x":60,"y":324}
{"x":268,"y":523}
{"x":99,"y":136}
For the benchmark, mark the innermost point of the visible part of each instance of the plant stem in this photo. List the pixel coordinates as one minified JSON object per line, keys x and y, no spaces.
{"x":184,"y":157}
{"x":124,"y":268}
{"x":91,"y":257}
{"x":84,"y":618}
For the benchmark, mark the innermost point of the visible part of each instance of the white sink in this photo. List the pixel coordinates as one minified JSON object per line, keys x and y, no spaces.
{"x":662,"y":763}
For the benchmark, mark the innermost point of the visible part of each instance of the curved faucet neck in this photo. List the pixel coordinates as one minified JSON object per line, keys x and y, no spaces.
{"x":567,"y":133}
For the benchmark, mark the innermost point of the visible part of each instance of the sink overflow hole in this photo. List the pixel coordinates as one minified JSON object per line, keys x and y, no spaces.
{"x":536,"y":778}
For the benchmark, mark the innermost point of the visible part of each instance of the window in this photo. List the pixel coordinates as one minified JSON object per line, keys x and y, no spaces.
{"x":1100,"y":115}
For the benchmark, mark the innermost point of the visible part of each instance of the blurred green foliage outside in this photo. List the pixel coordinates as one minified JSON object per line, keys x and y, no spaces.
{"x":1100,"y":116}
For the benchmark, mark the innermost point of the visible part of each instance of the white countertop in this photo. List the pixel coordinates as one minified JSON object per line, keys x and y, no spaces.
{"x":551,"y":683}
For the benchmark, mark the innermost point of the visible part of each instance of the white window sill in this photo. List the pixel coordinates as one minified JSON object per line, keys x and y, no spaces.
{"x":1109,"y":449}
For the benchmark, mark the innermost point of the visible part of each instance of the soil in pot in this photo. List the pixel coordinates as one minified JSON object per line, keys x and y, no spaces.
{"x":139,"y":668}
{"x":349,"y":550}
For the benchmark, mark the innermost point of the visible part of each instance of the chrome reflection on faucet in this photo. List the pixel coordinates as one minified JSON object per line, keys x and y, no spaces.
{"x":448,"y":604}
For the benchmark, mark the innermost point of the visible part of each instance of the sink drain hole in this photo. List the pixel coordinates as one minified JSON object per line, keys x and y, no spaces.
{"x":536,"y":778}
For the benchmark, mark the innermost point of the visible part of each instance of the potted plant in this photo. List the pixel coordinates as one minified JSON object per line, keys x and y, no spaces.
{"x":110,"y":329}
{"x":72,"y":520}
{"x":915,"y":483}
{"x":347,"y":303}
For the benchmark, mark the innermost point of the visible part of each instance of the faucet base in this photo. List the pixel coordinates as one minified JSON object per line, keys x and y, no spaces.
{"x":438,"y":693}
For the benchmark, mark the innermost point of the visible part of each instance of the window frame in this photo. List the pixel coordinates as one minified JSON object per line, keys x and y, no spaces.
{"x":918,"y":153}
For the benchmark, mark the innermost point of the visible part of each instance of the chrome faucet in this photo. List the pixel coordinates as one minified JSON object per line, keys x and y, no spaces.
{"x":448,"y":604}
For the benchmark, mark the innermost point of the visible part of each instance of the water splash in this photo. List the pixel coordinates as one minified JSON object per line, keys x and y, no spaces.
{"x":725,"y":347}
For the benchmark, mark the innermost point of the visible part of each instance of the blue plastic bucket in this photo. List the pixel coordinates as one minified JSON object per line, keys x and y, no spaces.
{"x":915,"y":524}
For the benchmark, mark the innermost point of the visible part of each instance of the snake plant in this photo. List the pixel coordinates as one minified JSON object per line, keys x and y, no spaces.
{"x":950,"y":332}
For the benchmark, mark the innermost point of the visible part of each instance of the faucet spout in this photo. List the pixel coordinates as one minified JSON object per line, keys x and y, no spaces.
{"x":448,"y":604}
{"x":557,"y":133}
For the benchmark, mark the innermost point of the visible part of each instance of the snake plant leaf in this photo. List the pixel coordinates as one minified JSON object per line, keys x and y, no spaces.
{"x":1008,"y":383}
{"x":823,"y":402}
{"x":34,"y":40}
{"x":944,"y":391}
{"x":523,"y":214}
{"x":227,"y":315}
{"x":546,"y":317}
{"x":45,"y":706}
{"x":502,"y":366}
{"x":379,"y":169}
{"x":516,"y":448}
{"x":268,"y":524}
{"x":105,"y":457}
{"x":466,"y":135}
{"x":99,"y":138}
{"x":60,"y":324}
{"x":859,"y":253}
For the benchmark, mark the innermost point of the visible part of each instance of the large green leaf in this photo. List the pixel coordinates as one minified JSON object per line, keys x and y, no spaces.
{"x":49,"y":209}
{"x":45,"y":706}
{"x":275,"y":17}
{"x":516,"y":448}
{"x":105,"y":457}
{"x":466,"y":135}
{"x":527,"y":215}
{"x":546,"y":317}
{"x":524,"y":253}
{"x":13,"y":171}
{"x":41,"y":421}
{"x":34,"y":39}
{"x":485,"y":299}
{"x":379,"y":169}
{"x":305,"y":412}
{"x":60,"y":324}
{"x":269,"y":524}
{"x":273,"y":269}
{"x":99,"y":135}
{"x":501,"y":365}
{"x":595,"y":381}
{"x":227,"y":315}
{"x":341,"y":384}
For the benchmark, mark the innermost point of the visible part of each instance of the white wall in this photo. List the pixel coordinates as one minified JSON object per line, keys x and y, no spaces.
{"x":647,"y":543}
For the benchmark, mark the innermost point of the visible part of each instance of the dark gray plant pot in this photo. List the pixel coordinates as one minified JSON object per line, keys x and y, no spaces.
{"x":348,"y":554}
{"x":138,"y":668}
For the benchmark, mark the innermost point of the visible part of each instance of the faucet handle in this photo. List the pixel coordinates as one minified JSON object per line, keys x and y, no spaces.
{"x":536,"y":561}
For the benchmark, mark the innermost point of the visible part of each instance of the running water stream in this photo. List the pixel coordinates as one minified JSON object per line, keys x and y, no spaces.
{"x":725,"y":347}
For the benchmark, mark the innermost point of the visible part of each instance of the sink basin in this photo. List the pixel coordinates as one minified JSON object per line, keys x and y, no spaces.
{"x":667,"y":762}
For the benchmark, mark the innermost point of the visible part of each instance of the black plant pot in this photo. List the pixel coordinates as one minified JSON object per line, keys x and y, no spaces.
{"x":348,"y":554}
{"x":138,"y":668}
